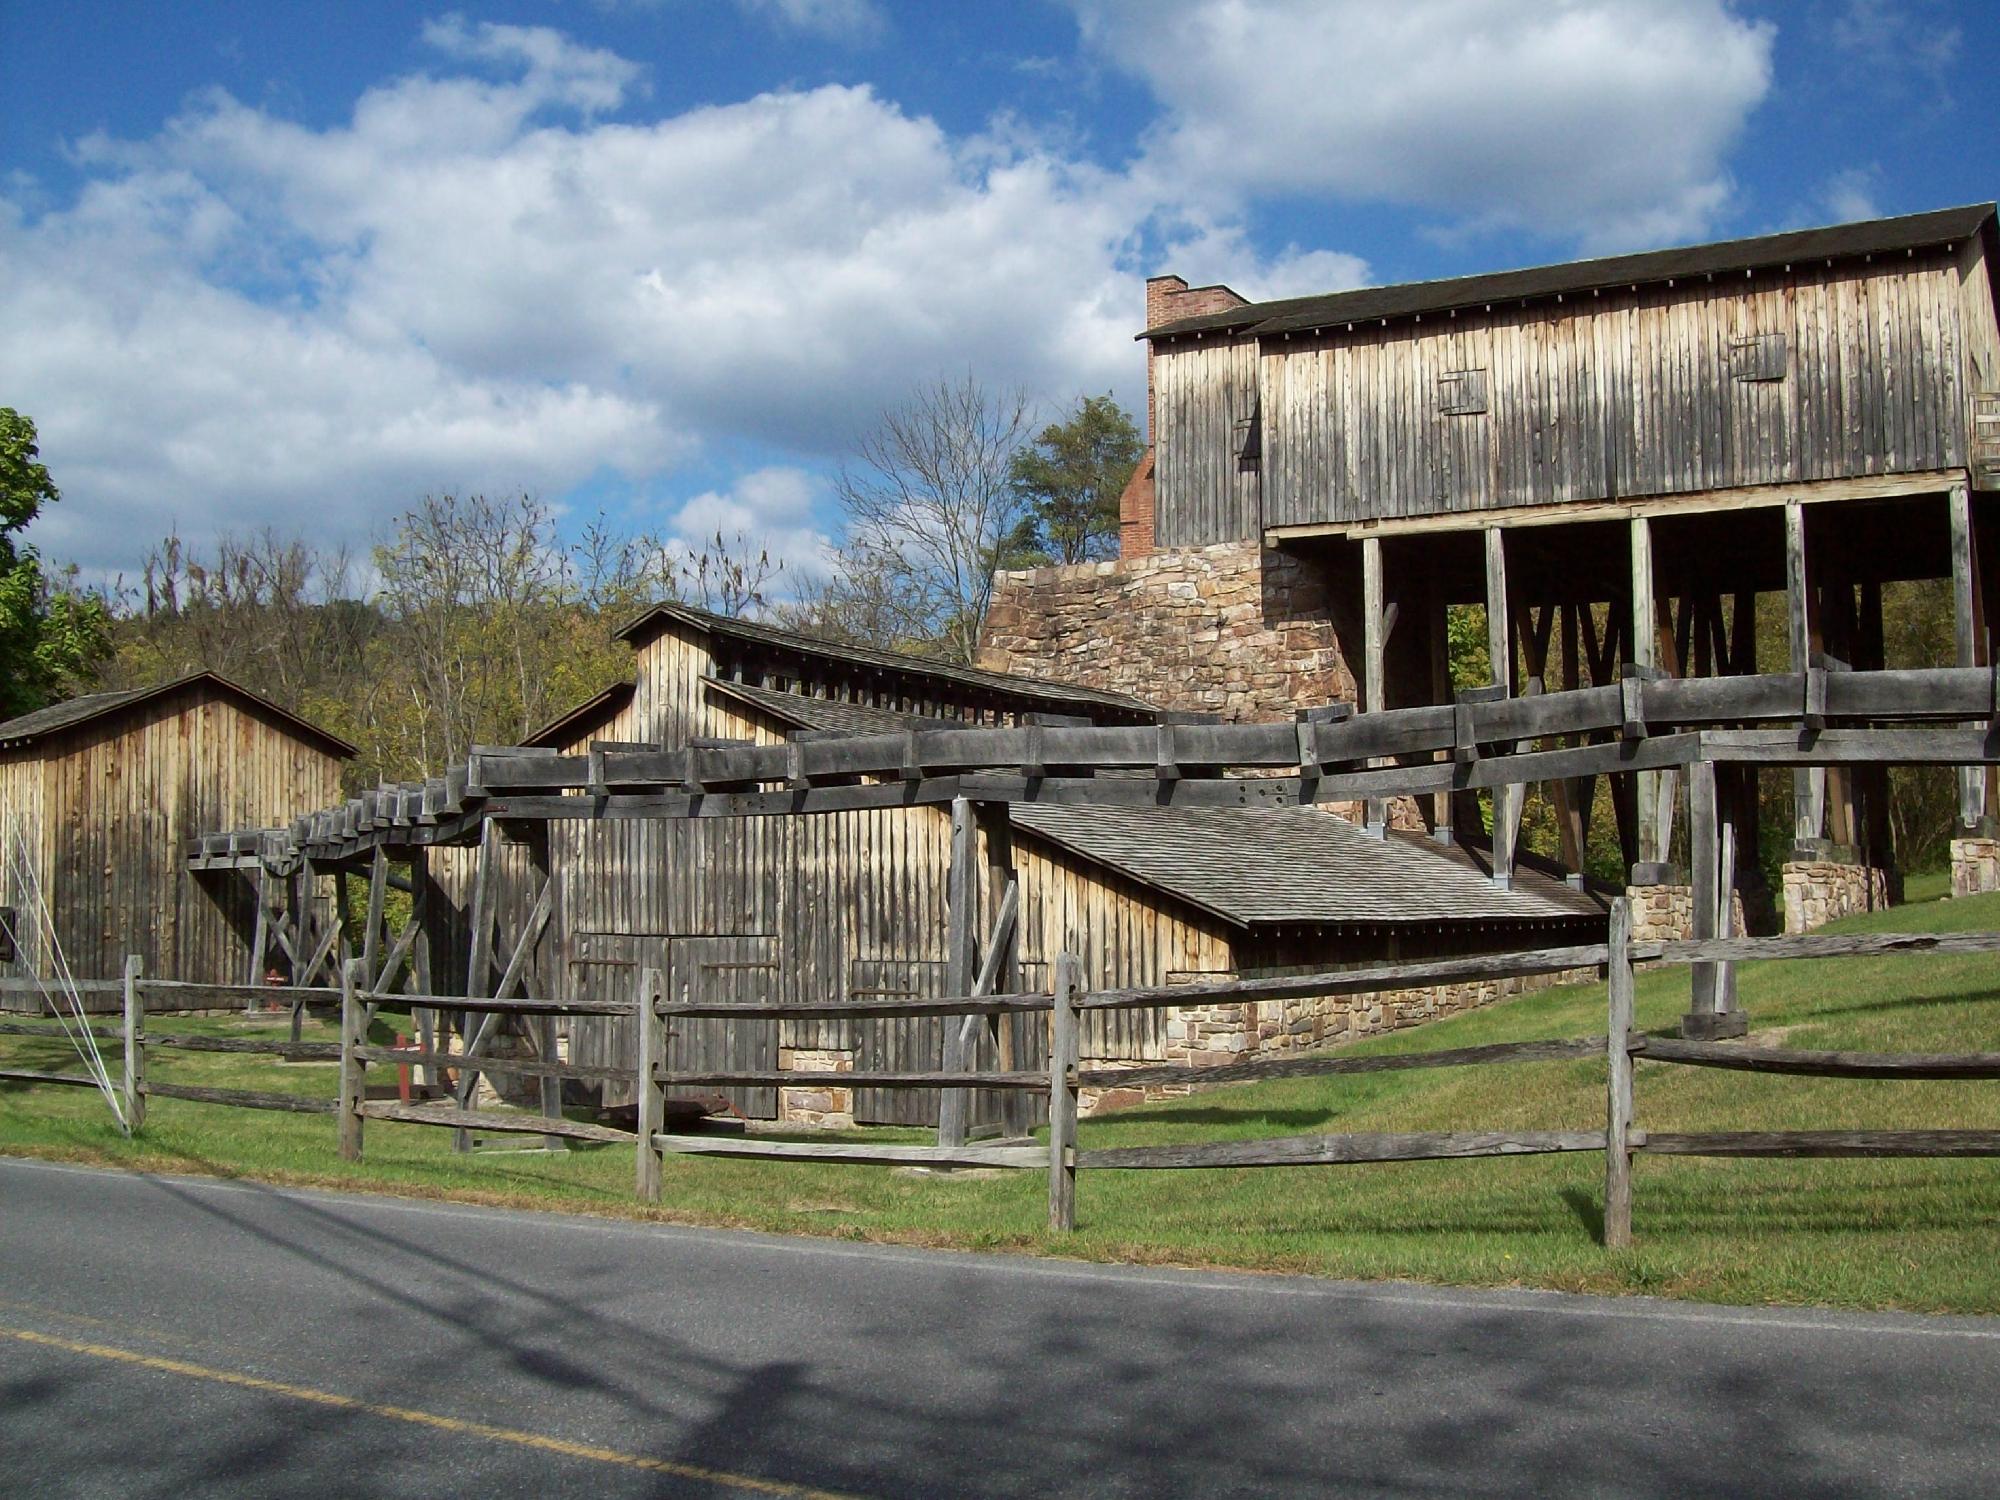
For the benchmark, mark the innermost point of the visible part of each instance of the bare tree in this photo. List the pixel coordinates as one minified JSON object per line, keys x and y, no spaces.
{"x":928,"y":504}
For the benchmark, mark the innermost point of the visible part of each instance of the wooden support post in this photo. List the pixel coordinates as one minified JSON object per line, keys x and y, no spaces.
{"x":1002,"y":956}
{"x":260,"y":933}
{"x":343,"y":915}
{"x":1704,"y":868}
{"x":962,"y":964}
{"x":651,"y":1093}
{"x":422,"y":916}
{"x":1062,"y":1096}
{"x":1644,"y":652}
{"x":1439,"y":621}
{"x":1725,"y":894}
{"x":1374,"y":649}
{"x":1507,"y":800}
{"x":1808,"y":782}
{"x":544,"y":967}
{"x":371,"y":932}
{"x":135,"y":1045}
{"x":1618,"y":1092}
{"x":351,"y":1091}
{"x":1966,"y":633}
{"x":1710,"y":1017}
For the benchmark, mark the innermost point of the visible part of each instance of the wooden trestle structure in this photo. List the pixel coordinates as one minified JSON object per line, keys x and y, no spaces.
{"x":1636,"y":726}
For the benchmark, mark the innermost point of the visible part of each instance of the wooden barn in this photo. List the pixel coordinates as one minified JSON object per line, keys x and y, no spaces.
{"x":841,"y":905}
{"x":98,"y":798}
{"x":1614,"y":458}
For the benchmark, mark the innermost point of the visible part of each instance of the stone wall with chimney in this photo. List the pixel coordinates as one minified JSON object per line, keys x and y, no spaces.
{"x":1231,"y":629}
{"x":1168,"y":299}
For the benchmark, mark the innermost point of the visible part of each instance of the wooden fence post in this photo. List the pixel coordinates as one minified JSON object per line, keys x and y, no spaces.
{"x":652,"y":1094}
{"x":1062,"y":1097}
{"x":1618,"y":1111}
{"x":350,"y":1065}
{"x":135,"y":1044}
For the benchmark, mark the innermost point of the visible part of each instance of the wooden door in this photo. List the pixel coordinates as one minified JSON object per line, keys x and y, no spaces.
{"x":741,"y":970}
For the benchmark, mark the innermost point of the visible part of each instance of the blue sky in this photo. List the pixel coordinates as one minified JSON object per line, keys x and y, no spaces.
{"x":296,"y":266}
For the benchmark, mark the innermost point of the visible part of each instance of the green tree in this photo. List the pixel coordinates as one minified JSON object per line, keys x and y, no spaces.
{"x":50,"y":638}
{"x":1069,"y":479}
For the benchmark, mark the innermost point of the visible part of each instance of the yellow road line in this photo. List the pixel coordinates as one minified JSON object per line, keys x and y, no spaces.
{"x":485,"y":1430}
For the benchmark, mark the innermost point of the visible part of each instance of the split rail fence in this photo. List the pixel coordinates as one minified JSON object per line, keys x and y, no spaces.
{"x":1620,"y":1140}
{"x":138,"y":1043}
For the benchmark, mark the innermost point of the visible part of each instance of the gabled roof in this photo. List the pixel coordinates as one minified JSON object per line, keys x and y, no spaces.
{"x":571,"y":724}
{"x":1299,"y":866}
{"x":1058,"y":696}
{"x":1765,"y":252}
{"x":42,"y":723}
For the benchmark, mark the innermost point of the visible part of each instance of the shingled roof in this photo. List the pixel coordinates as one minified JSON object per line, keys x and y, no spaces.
{"x":1055,"y":696}
{"x":1765,"y":252}
{"x":825,"y":713}
{"x":1299,"y":866}
{"x":30,"y":728}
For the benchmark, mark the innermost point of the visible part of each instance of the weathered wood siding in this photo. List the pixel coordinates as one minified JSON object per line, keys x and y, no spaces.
{"x":1590,"y":398}
{"x":119,"y":796}
{"x":23,"y":837}
{"x":1123,"y":934}
{"x":1201,"y":390}
{"x":830,"y":907}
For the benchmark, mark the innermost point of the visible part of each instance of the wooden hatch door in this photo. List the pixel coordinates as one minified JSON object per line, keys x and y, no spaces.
{"x":740,"y":970}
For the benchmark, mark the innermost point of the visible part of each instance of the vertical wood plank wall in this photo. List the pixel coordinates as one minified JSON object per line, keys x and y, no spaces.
{"x":1201,"y":391}
{"x":1594,"y":397}
{"x":117,"y":799}
{"x":828,"y":907}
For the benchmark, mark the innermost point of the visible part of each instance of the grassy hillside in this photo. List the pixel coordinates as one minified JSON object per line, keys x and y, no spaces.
{"x":1915,"y":1234}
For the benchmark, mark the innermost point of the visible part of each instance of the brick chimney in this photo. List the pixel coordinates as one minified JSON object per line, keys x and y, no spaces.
{"x":1168,"y":299}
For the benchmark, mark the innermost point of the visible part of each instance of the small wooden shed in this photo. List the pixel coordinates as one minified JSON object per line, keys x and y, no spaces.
{"x":98,"y":797}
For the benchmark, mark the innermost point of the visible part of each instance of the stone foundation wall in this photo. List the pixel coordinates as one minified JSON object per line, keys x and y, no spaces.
{"x":1820,"y":891}
{"x":1231,"y":630}
{"x":823,"y":1106}
{"x":1663,"y":913}
{"x":1975,"y":866}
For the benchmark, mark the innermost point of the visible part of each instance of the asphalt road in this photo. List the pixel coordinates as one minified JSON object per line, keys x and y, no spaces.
{"x":175,"y":1337}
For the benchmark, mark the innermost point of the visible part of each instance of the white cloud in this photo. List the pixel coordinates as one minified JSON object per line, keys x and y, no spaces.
{"x":1850,"y":194}
{"x":769,"y":510}
{"x":1604,"y":120}
{"x":852,"y":21}
{"x":497,"y":274}
{"x":479,"y":283}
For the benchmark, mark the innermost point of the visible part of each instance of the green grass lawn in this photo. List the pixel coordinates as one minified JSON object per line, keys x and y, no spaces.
{"x":1911,"y":1234}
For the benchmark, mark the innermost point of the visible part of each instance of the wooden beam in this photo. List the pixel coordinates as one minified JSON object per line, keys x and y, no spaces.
{"x":1374,"y":650}
{"x":372,"y":923}
{"x":1966,"y":633}
{"x":1693,"y":502}
{"x":1337,"y":1150}
{"x":1808,"y":785}
{"x":961,"y":962}
{"x":1000,"y":970}
{"x":1507,"y":800}
{"x":1704,"y":860}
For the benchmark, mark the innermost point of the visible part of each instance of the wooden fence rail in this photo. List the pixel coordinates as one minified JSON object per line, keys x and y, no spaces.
{"x":1621,"y":1046}
{"x":139,"y":1043}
